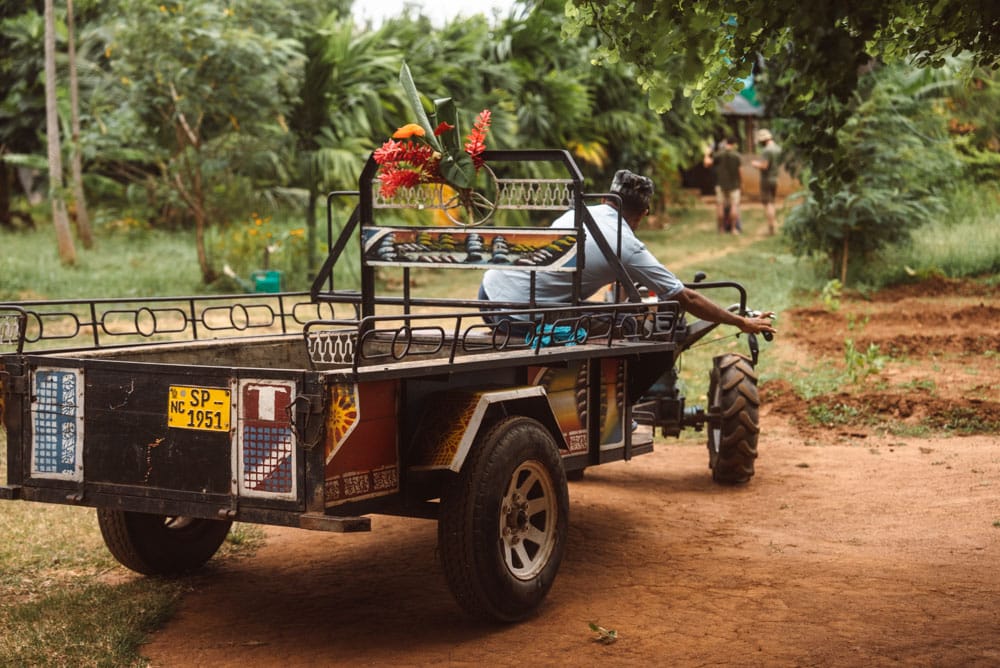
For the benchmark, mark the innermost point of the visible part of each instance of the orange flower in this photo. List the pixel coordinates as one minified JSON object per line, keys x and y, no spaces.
{"x":409,"y":130}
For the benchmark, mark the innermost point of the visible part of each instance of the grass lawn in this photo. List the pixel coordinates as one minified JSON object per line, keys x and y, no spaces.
{"x":65,"y":601}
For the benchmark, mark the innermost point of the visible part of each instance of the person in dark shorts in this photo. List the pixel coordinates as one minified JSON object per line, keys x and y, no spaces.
{"x":725,"y":163}
{"x":770,"y":158}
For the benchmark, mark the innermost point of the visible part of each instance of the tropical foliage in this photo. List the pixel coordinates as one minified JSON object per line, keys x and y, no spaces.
{"x":812,"y":62}
{"x":198,"y":114}
{"x":897,"y":167}
{"x":344,"y":101}
{"x":22,"y":106}
{"x":209,"y":108}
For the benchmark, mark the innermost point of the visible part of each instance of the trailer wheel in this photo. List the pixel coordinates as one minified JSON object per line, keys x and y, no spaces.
{"x":160,"y":544}
{"x":734,"y":407}
{"x":503,"y":522}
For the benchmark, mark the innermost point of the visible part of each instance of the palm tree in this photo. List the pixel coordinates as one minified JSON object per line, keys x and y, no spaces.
{"x":79,"y":199}
{"x":341,"y":111}
{"x":64,"y":237}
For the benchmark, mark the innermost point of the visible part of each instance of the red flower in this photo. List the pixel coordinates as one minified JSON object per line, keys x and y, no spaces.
{"x":392,"y":178}
{"x":412,"y":161}
{"x":416,"y":153}
{"x":389,"y":152}
{"x":476,"y":143}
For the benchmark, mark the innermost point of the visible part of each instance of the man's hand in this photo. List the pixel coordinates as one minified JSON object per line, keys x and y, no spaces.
{"x":758,"y":323}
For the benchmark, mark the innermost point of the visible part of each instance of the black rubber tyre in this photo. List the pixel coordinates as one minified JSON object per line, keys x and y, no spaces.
{"x":158,"y":544}
{"x":734,"y":408}
{"x":503,"y":522}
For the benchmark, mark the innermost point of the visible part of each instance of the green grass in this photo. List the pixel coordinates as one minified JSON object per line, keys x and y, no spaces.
{"x":83,"y":623}
{"x":829,"y":415}
{"x":963,"y":420}
{"x":966,"y":243}
{"x":59,"y":602}
{"x":135,"y":264}
{"x":65,"y":601}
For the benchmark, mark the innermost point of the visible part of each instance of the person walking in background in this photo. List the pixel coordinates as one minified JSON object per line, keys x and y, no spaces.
{"x":770,"y":158}
{"x":707,"y":159}
{"x":725,"y":163}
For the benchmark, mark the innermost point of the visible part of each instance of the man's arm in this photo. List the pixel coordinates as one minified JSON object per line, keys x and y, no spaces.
{"x":698,"y":305}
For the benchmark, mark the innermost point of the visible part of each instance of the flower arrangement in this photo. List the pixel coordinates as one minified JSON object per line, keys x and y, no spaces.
{"x":430,"y":150}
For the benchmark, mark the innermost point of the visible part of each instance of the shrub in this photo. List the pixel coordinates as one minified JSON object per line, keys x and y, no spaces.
{"x":894,"y":166}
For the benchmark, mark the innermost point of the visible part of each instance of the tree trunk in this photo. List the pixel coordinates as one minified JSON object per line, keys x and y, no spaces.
{"x":208,"y":273}
{"x":193,"y":194}
{"x":60,"y":221}
{"x":79,"y":199}
{"x":843,"y":262}
{"x":194,"y":198}
{"x":6,"y":186}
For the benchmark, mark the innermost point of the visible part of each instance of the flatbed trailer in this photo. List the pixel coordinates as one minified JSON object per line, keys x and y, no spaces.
{"x":174,"y":417}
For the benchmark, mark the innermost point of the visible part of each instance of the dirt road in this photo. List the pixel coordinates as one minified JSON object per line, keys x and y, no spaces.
{"x":870,"y":535}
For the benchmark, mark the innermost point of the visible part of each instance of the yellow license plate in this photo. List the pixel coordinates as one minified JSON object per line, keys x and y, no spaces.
{"x":204,"y":408}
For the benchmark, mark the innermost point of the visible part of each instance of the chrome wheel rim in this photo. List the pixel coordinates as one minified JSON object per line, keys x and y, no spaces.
{"x":528,"y":519}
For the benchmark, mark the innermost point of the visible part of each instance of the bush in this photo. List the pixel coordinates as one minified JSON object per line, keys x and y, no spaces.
{"x":894,"y":167}
{"x":258,"y":243}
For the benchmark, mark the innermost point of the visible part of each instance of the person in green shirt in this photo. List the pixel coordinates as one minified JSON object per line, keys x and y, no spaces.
{"x":770,"y":157}
{"x":725,"y":162}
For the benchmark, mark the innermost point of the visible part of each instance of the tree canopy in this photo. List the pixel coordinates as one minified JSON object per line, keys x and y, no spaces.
{"x":707,"y":47}
{"x":812,"y":62}
{"x":813,"y":53}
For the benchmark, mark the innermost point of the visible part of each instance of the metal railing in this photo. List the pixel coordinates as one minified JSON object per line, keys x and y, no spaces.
{"x":380,"y":339}
{"x":83,"y":324}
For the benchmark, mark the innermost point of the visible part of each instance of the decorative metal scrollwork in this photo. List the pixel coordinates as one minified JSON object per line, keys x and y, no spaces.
{"x":336,"y":347}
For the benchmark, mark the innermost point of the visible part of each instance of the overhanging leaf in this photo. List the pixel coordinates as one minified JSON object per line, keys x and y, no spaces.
{"x":417,"y":107}
{"x":458,"y":169}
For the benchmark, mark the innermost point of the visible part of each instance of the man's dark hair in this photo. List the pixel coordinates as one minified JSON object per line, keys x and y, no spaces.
{"x":636,"y":191}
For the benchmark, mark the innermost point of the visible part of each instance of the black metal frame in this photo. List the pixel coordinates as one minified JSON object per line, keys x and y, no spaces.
{"x":85,"y":324}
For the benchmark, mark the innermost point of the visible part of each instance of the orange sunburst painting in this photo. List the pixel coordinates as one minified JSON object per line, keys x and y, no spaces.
{"x":344,"y":414}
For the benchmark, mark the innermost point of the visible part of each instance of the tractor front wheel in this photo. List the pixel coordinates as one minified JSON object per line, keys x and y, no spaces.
{"x":733,"y":419}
